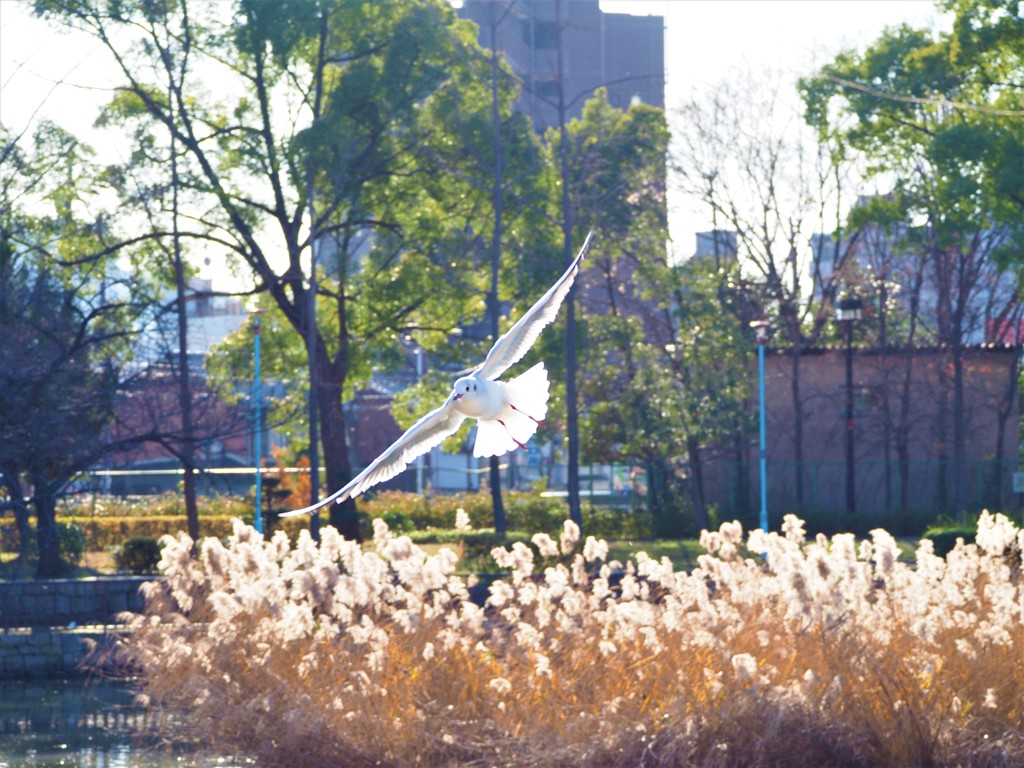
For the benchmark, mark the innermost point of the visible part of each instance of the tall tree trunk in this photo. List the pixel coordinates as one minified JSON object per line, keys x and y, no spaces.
{"x":798,"y":418}
{"x":942,"y":435}
{"x":1004,"y":410}
{"x":887,"y":440}
{"x":337,"y":463}
{"x":316,"y":356}
{"x":50,"y":565}
{"x":902,"y":434}
{"x":12,"y":481}
{"x":905,"y":412}
{"x":571,"y":396}
{"x":887,"y":430}
{"x":497,"y":202}
{"x":700,"y":511}
{"x":187,"y":447}
{"x":959,"y":436}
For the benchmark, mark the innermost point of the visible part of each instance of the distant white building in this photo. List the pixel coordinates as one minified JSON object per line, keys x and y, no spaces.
{"x":719,"y":245}
{"x":211,"y":318}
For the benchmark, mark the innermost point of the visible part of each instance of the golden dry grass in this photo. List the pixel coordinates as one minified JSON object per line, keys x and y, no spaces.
{"x":804,"y":653}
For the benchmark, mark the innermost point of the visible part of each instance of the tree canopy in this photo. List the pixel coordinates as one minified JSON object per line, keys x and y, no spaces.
{"x":326,"y":132}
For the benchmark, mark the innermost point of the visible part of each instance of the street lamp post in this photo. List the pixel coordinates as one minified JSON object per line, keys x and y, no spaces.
{"x":761,"y":329}
{"x":257,"y":398}
{"x":848,"y":309}
{"x":421,"y":458}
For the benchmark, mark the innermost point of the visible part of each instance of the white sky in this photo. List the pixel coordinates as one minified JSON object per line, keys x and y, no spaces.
{"x":44,"y":73}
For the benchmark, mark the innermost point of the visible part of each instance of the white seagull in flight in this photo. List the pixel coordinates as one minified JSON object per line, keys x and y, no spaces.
{"x":507,"y":413}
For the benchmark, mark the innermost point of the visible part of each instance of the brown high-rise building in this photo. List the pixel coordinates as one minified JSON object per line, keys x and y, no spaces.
{"x":624,"y":53}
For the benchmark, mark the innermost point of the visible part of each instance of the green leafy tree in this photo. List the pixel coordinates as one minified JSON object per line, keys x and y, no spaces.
{"x":323,"y":127}
{"x":634,"y":401}
{"x":492,"y":164}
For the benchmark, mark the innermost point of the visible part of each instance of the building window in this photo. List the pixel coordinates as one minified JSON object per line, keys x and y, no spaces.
{"x":542,"y":35}
{"x":546,"y":89}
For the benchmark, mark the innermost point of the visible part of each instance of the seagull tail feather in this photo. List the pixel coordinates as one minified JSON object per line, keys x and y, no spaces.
{"x":492,"y":439}
{"x":517,"y":423}
{"x":529,"y":393}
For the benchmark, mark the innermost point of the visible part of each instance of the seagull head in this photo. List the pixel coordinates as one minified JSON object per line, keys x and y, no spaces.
{"x":466,"y":387}
{"x":469,"y":396}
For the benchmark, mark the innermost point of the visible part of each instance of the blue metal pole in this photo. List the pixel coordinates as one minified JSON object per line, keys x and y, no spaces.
{"x":257,"y":397}
{"x":764,"y":453}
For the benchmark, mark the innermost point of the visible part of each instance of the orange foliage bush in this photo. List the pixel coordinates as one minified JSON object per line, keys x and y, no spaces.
{"x":294,"y":487}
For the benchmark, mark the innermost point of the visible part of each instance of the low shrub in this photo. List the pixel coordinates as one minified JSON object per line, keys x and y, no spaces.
{"x":944,"y":537}
{"x":72,"y":541}
{"x":617,"y":522}
{"x":398,"y":521}
{"x":139,"y":554}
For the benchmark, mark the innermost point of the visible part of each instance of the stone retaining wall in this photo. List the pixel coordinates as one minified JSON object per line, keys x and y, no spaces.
{"x":63,"y":627}
{"x":29,"y":653}
{"x":61,"y":602}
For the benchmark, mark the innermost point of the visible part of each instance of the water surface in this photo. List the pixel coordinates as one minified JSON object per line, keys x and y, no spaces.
{"x":83,"y":723}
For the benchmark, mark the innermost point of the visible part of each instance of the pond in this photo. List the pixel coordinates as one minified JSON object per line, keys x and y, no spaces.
{"x":82,"y":723}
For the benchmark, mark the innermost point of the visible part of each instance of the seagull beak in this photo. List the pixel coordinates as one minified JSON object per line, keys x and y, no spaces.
{"x":457,"y":397}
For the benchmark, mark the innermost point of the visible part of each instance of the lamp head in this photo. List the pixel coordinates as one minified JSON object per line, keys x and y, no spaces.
{"x":849,"y":308}
{"x":761,"y":329}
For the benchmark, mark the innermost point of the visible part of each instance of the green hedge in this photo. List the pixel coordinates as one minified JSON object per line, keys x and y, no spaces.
{"x":524,"y":511}
{"x":164,"y":504}
{"x":102,"y":533}
{"x":107,"y":522}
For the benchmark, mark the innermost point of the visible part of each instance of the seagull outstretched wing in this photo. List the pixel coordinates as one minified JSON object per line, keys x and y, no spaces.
{"x":433,"y":428}
{"x":429,"y":431}
{"x":516,"y":342}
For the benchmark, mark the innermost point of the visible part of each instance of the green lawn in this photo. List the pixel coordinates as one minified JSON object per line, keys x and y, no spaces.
{"x":682,"y":552}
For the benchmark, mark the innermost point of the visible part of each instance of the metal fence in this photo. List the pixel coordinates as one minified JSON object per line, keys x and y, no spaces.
{"x":615,"y":485}
{"x":882,"y":496}
{"x":731,"y":489}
